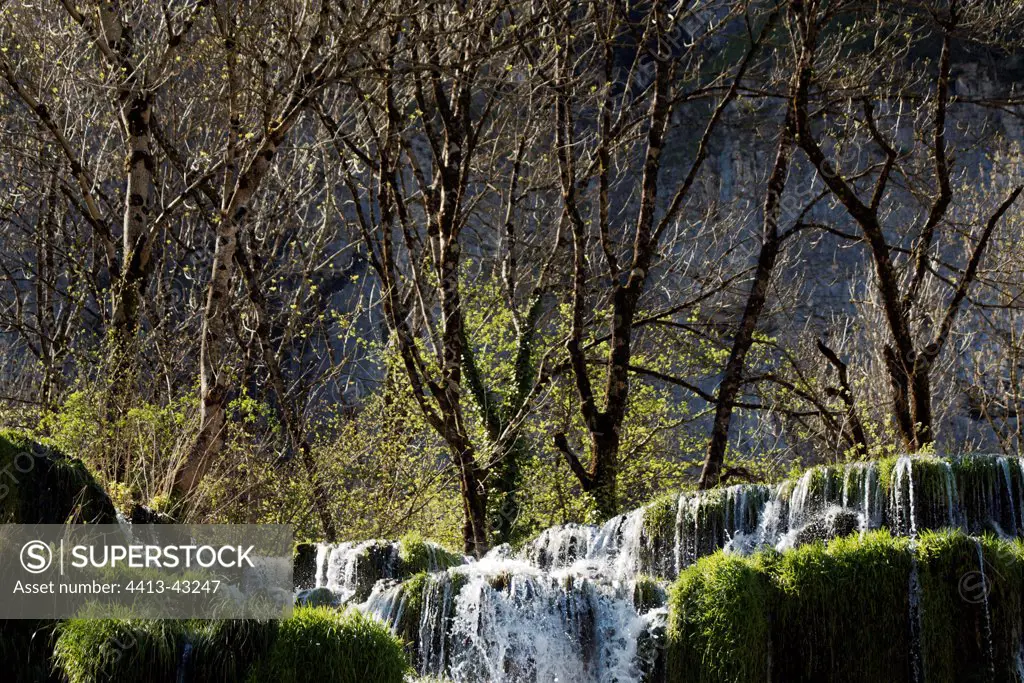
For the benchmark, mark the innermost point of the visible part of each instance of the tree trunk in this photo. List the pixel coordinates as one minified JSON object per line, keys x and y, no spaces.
{"x":732,"y":379}
{"x":605,"y":471}
{"x":214,"y":385}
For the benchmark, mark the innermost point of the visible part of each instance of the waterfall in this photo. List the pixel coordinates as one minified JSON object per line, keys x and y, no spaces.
{"x":585,"y":604}
{"x":905,"y":517}
{"x":350,"y":570}
{"x":990,"y":653}
{"x":916,"y":618}
{"x":1004,"y":467}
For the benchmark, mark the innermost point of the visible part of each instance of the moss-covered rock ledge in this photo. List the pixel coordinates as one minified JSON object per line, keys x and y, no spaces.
{"x":944,"y":608}
{"x":43,"y":486}
{"x":907,"y":495}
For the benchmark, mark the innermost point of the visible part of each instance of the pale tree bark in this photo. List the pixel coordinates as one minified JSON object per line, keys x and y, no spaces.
{"x":312,"y":73}
{"x":428,"y":179}
{"x":214,"y":369}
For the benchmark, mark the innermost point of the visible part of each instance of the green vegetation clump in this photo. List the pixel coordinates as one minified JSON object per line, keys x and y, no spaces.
{"x":850,"y":611}
{"x":304,"y":564}
{"x":341,"y":647}
{"x":885,"y":467}
{"x":843,"y":611}
{"x":119,"y":650}
{"x":709,"y":519}
{"x":318,"y":597}
{"x":419,"y":555}
{"x":660,"y":516}
{"x":408,"y":625}
{"x":333,"y":647}
{"x":648,"y":593}
{"x":971,"y":602}
{"x":984,"y":483}
{"x":702,"y":524}
{"x":659,"y":535}
{"x":719,"y":622}
{"x":42,"y":486}
{"x":933,"y":484}
{"x":224,"y":651}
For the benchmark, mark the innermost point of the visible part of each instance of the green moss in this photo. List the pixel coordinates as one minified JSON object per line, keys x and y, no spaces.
{"x":419,"y":555}
{"x":985,"y":484}
{"x":702,"y":524}
{"x":42,"y":486}
{"x":344,"y":646}
{"x":719,"y":622}
{"x":119,"y":650}
{"x":826,"y":482}
{"x":885,"y":468}
{"x":648,"y":593}
{"x":304,"y":565}
{"x":657,"y":551}
{"x":660,"y":515}
{"x":970,"y":630}
{"x":842,"y":612}
{"x":317,"y":597}
{"x":933,"y":488}
{"x":709,"y":519}
{"x":408,"y":626}
{"x":335,"y":647}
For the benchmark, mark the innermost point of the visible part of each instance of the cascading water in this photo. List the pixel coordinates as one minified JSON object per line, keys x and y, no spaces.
{"x":565,"y":608}
{"x":585,"y":604}
{"x":989,"y":653}
{"x":351,"y":569}
{"x":914,"y":593}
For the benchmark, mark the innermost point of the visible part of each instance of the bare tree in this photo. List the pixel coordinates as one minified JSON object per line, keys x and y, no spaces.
{"x":640,"y":103}
{"x":437,"y":167}
{"x":912,"y":350}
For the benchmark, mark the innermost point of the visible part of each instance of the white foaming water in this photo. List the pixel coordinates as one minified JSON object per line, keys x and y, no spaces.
{"x":904,"y":504}
{"x":988,"y":614}
{"x":521,"y":626}
{"x":350,"y":570}
{"x":952,"y":495}
{"x":561,"y":610}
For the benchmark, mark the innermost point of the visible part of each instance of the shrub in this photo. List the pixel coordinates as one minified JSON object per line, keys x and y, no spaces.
{"x":340,"y":647}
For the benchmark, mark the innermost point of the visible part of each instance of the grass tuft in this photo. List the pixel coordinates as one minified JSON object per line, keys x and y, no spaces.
{"x":119,"y":650}
{"x":333,"y":647}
